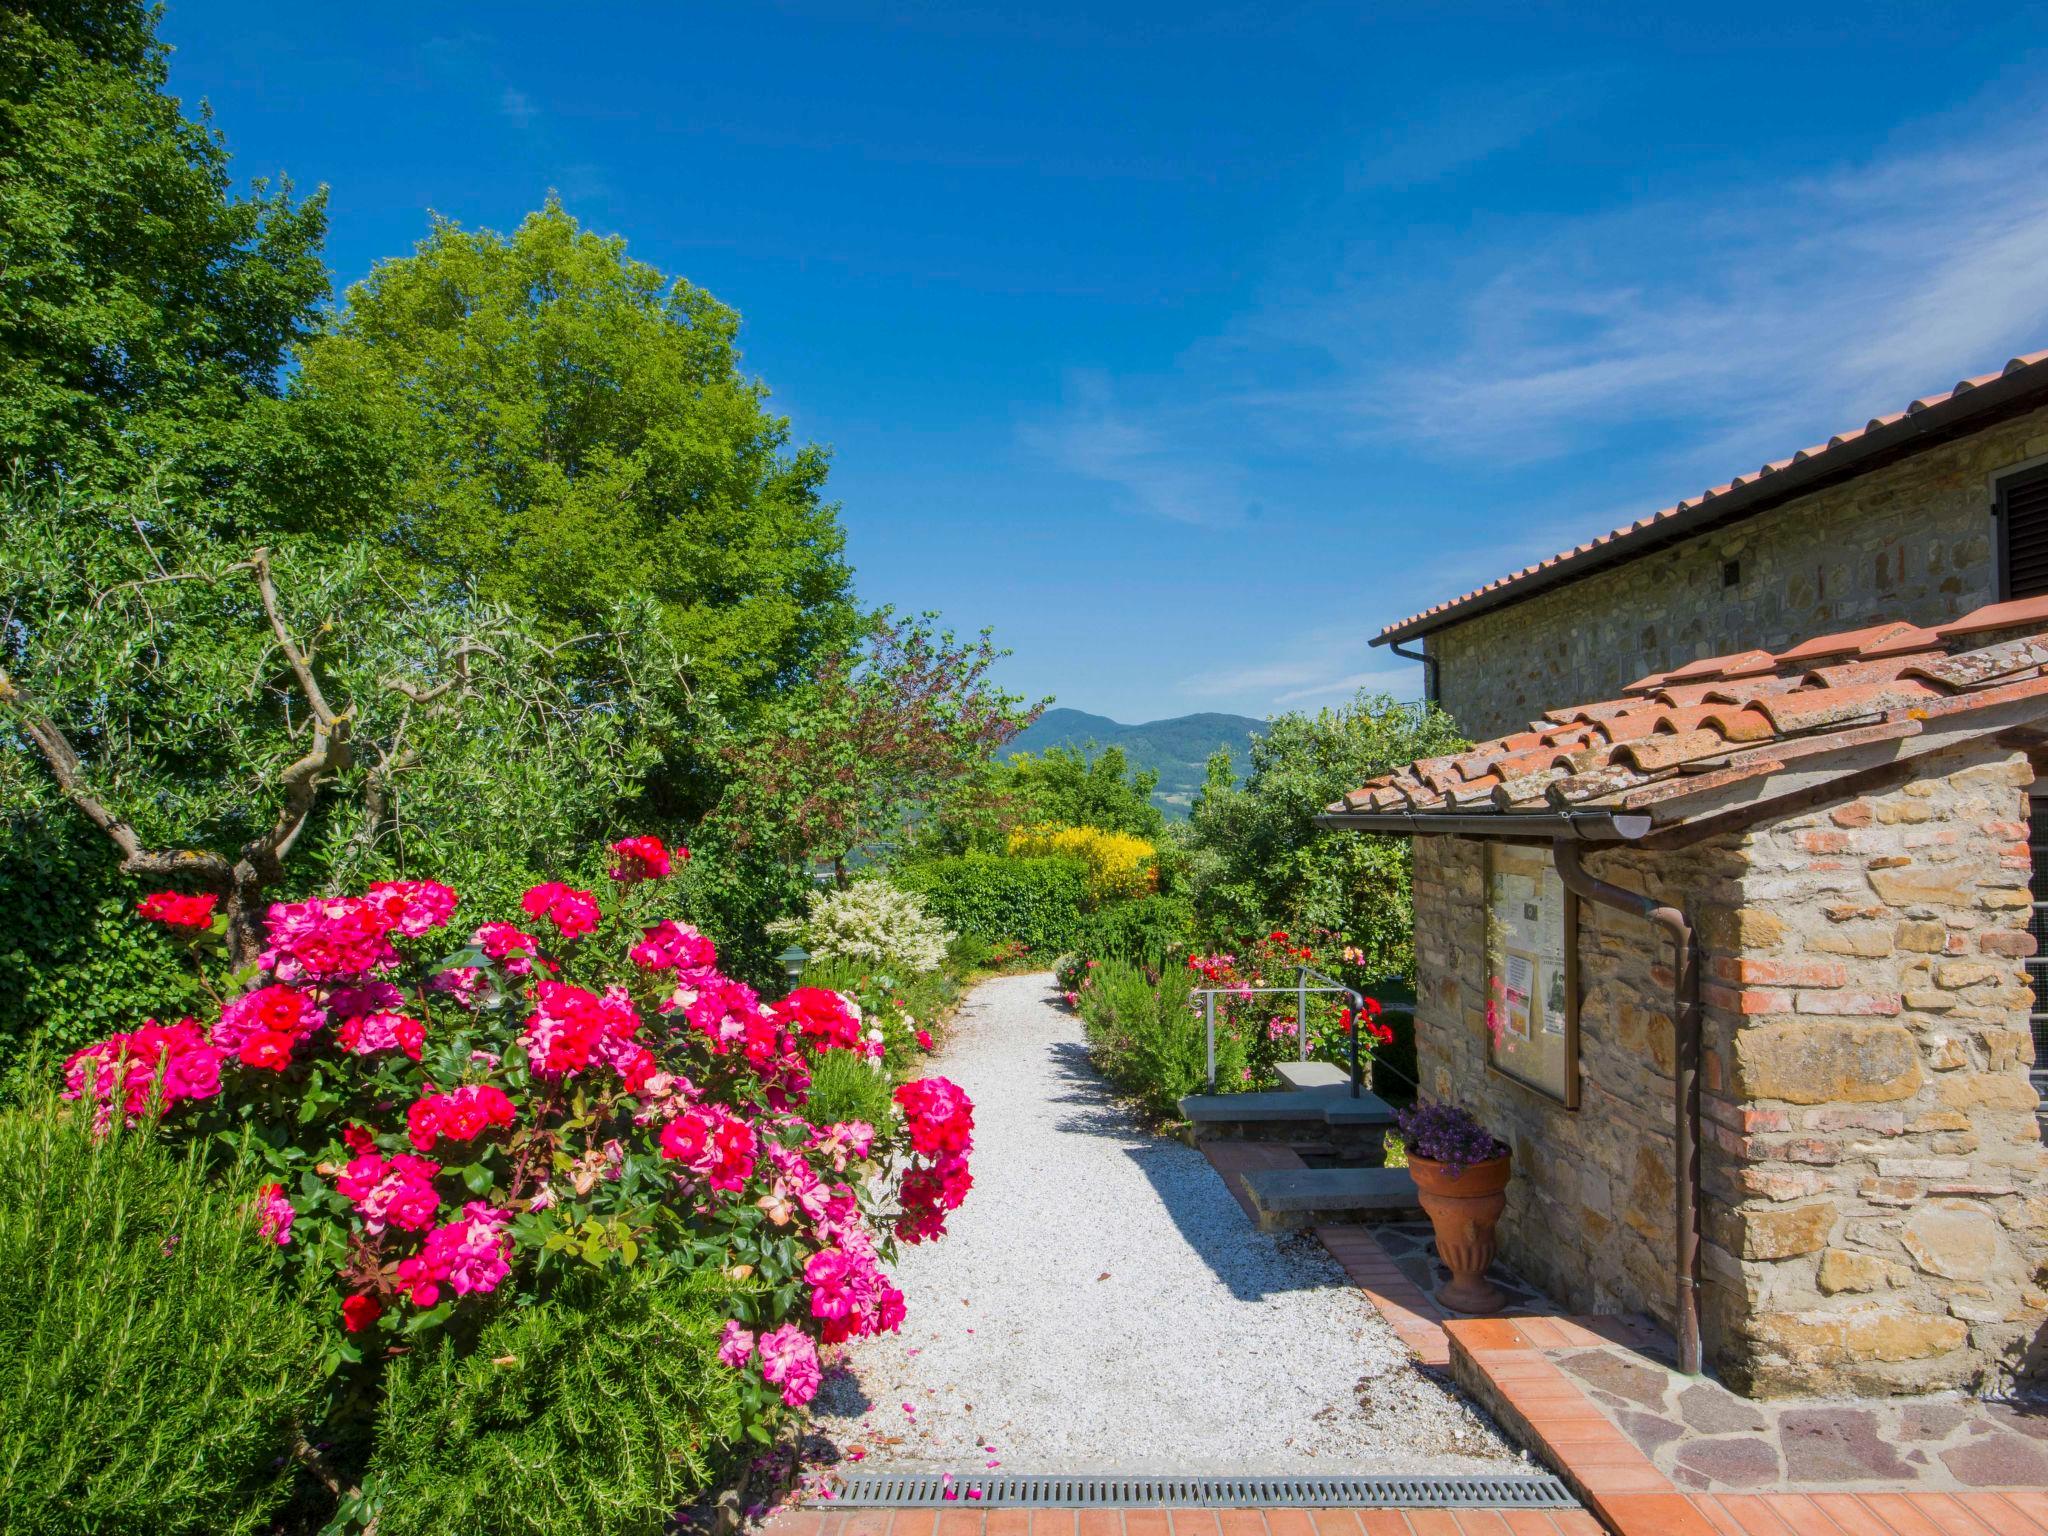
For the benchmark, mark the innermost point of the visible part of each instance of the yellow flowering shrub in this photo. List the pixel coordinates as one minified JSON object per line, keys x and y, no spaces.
{"x":1119,"y":864}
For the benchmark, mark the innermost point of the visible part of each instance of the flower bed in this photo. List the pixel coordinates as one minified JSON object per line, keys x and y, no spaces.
{"x":447,"y":1130}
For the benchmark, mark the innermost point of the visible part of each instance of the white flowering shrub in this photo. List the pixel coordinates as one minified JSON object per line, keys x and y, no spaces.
{"x":871,"y":922}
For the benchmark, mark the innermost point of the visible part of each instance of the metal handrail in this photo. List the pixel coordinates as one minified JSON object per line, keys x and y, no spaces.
{"x":1301,"y":990}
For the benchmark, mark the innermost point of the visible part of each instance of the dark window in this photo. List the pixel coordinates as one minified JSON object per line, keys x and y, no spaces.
{"x":2023,"y":534}
{"x":1731,"y":573}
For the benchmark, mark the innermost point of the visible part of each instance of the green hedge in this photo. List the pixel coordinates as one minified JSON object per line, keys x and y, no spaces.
{"x":1154,"y":930}
{"x":1039,"y":903}
{"x":76,"y":965}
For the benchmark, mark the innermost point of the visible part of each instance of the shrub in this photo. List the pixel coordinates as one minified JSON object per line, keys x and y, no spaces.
{"x":603,"y":1408}
{"x":845,"y":1088}
{"x":592,"y":1094}
{"x":1153,"y":930}
{"x":1118,"y":864}
{"x":1034,"y":902}
{"x":1147,"y":1036}
{"x":872,"y":923}
{"x":150,"y":1372}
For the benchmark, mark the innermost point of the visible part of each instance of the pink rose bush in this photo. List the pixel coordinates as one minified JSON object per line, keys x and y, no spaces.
{"x":454,"y":1118}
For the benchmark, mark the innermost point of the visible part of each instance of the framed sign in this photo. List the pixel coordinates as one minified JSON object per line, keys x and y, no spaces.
{"x":1532,"y":972}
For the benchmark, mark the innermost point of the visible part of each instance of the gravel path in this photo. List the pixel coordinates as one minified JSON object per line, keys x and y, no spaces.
{"x":1102,"y":1304}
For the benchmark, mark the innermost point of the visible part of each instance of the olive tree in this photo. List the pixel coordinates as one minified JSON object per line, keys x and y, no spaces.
{"x":243,"y":720}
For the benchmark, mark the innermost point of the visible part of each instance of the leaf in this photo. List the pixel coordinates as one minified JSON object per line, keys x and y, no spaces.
{"x":477,"y":1178}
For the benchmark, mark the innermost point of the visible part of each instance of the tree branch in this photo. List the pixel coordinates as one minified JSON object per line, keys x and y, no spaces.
{"x":65,"y":766}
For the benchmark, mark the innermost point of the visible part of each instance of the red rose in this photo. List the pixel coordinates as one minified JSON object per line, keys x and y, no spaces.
{"x":358,"y":1312}
{"x":267,"y":1049}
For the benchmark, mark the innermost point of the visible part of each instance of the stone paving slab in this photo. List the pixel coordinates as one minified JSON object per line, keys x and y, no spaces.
{"x":1704,"y":1437}
{"x":1567,"y":1393}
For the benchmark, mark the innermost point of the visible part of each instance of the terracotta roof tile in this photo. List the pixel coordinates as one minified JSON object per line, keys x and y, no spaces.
{"x":1876,"y":640}
{"x":1741,"y":664}
{"x":2018,"y":613}
{"x":1880,"y":683}
{"x":1657,"y":524}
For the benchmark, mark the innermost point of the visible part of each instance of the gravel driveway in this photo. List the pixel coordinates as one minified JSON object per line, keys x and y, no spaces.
{"x":1102,"y":1304}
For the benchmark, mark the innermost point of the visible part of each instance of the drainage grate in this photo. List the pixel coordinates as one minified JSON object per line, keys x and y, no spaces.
{"x":916,"y":1490}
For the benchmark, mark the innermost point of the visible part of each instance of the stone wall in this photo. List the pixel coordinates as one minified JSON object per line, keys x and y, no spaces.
{"x":1912,"y":541}
{"x":1875,"y":1213}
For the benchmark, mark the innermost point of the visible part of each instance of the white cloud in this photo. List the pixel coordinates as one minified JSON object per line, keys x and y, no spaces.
{"x":1752,"y":318}
{"x":1157,"y":472}
{"x":518,"y":106}
{"x":1317,"y":666}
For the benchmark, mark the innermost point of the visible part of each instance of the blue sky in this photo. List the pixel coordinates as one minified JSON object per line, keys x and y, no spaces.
{"x":1187,"y":345}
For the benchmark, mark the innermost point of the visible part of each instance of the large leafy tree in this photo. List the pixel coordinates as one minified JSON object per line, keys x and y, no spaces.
{"x":1258,"y":861}
{"x":558,"y":427}
{"x":142,"y":308}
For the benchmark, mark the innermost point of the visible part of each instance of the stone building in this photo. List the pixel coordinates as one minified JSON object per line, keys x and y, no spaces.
{"x":1739,"y":956}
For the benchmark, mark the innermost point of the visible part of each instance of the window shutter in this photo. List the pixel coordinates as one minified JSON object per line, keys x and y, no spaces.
{"x":2023,"y":533}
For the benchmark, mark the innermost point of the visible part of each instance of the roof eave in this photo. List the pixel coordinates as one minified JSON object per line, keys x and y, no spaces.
{"x":1582,"y":826}
{"x":1973,"y":409}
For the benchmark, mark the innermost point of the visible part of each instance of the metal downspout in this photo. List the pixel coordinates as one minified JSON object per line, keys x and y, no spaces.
{"x":1429,"y":693}
{"x":1685,"y":1094}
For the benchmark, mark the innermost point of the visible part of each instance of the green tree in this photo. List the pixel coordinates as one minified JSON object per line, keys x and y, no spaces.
{"x":559,"y":428}
{"x":142,"y":309}
{"x":1061,"y":786}
{"x":1256,"y":859}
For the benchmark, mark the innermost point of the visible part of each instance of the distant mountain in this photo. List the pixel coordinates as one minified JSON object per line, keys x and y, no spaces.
{"x":1179,"y":749}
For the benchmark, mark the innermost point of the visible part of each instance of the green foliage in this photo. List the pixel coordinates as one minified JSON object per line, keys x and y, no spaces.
{"x":1256,"y":859}
{"x":1147,"y":1038}
{"x":75,"y":964}
{"x":1082,"y":787}
{"x":560,"y":428}
{"x":1153,"y":930}
{"x":845,"y":1087}
{"x":884,"y":729}
{"x":1063,"y":787}
{"x":151,"y":1374}
{"x":602,"y":1408}
{"x":142,"y":309}
{"x":1038,"y":903}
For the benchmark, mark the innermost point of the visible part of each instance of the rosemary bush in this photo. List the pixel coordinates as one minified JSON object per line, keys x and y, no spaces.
{"x":603,"y":1408}
{"x":151,"y":1373}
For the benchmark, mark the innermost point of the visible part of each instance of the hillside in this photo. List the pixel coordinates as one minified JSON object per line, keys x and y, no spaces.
{"x":1178,"y":749}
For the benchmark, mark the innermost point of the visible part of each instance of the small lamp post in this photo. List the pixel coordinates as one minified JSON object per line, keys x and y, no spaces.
{"x":794,"y":959}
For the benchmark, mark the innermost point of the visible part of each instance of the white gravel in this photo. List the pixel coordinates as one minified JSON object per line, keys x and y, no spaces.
{"x":1102,"y":1304}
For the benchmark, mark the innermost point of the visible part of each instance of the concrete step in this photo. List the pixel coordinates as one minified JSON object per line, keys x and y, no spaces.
{"x":1286,"y":1198}
{"x":1313,"y":1077}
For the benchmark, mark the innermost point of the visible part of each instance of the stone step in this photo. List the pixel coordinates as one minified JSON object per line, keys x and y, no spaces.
{"x":1354,"y":1125}
{"x":1286,"y":1198}
{"x":1313,"y":1077}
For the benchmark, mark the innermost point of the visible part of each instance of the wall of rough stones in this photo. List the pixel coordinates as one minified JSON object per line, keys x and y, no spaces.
{"x":1876,"y":1215}
{"x":1913,"y":542}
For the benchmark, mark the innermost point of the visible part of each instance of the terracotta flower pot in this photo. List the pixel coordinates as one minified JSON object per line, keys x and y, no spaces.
{"x":1464,"y":1210}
